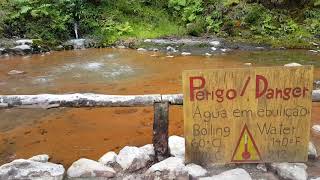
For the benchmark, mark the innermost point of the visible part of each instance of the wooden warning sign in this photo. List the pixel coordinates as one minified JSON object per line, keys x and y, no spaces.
{"x":247,"y":115}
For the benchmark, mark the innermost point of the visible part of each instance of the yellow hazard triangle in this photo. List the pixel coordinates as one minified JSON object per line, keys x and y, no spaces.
{"x":246,"y":149}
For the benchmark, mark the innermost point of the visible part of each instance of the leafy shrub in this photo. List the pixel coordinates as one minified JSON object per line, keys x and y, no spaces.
{"x":312,"y":21}
{"x":196,"y":28}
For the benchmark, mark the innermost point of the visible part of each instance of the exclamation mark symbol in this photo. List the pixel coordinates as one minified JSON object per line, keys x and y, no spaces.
{"x":246,"y":154}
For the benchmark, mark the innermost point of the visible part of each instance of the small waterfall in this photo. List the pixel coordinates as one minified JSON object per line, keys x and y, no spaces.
{"x":76,"y":30}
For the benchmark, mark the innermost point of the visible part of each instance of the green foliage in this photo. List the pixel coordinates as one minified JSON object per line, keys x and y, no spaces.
{"x":191,"y":11}
{"x":312,"y":21}
{"x":228,"y":3}
{"x":187,"y":9}
{"x":112,"y":30}
{"x":197,"y":28}
{"x":177,"y":4}
{"x":110,"y":21}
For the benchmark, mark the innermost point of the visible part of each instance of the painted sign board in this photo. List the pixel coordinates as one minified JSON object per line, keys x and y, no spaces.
{"x":247,"y":115}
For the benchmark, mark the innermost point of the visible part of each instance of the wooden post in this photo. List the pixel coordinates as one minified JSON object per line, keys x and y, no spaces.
{"x":160,"y":130}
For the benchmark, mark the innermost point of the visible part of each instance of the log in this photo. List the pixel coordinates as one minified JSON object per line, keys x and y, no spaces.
{"x":95,"y":100}
{"x":85,"y":100}
{"x":160,"y":130}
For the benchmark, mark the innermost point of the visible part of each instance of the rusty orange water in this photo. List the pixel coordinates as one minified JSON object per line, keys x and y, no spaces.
{"x":68,"y":134}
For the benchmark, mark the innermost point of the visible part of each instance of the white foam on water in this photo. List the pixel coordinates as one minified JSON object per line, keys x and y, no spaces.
{"x":42,"y":80}
{"x":92,"y":66}
{"x":118,"y":70}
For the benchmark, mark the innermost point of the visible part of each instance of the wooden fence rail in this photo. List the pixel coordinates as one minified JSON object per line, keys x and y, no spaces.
{"x":95,"y":100}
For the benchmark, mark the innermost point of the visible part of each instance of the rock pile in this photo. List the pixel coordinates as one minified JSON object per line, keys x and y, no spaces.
{"x":139,"y":163}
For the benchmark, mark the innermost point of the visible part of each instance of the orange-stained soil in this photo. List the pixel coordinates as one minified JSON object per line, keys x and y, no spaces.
{"x":88,"y":132}
{"x":68,"y":134}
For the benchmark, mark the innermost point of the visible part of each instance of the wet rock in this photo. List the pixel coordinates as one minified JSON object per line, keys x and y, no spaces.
{"x":59,"y":48}
{"x":169,"y":56}
{"x":262,"y":167}
{"x":192,"y":41}
{"x":2,"y":51}
{"x":315,"y":178}
{"x":171,"y":49}
{"x":177,"y":146}
{"x":40,"y":158}
{"x":170,"y":168}
{"x":75,"y":44}
{"x":24,"y":42}
{"x":293,"y":171}
{"x":196,"y":170}
{"x":234,"y":174}
{"x":185,"y":53}
{"x":121,"y":47}
{"x":208,"y":54}
{"x":313,"y":51}
{"x":215,"y":43}
{"x":147,"y":40}
{"x":224,"y":50}
{"x":247,"y":64}
{"x":292,"y":64}
{"x":20,"y":50}
{"x":132,"y":158}
{"x":108,"y":159}
{"x":260,"y":48}
{"x":141,"y":49}
{"x":27,"y":169}
{"x":312,"y":151}
{"x":14,"y":72}
{"x":86,"y":168}
{"x":213,"y":48}
{"x":316,"y":128}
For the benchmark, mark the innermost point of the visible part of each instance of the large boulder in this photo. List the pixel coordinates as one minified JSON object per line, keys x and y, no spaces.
{"x":170,"y":168}
{"x":215,"y":43}
{"x":28,"y":169}
{"x":89,"y":169}
{"x":195,"y":170}
{"x":24,"y":42}
{"x":292,"y":64}
{"x":292,"y":171}
{"x":20,"y":50}
{"x":234,"y":174}
{"x":177,"y":146}
{"x":149,"y":150}
{"x":132,"y":158}
{"x":74,"y":44}
{"x":108,"y":159}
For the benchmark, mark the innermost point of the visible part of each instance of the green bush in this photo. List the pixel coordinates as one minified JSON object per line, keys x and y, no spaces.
{"x":197,"y":28}
{"x":110,"y":21}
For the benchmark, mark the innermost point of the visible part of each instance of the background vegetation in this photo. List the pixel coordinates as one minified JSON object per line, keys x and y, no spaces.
{"x":289,"y":23}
